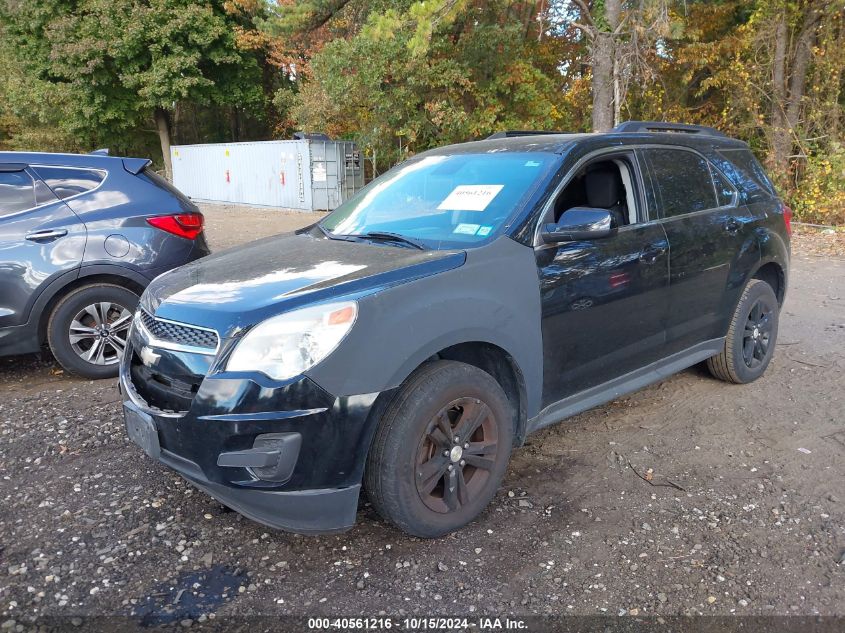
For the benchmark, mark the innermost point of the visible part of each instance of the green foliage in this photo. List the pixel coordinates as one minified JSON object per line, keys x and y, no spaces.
{"x":413,"y":74}
{"x":109,"y":63}
{"x":719,"y":72}
{"x":819,"y":197}
{"x":433,"y":73}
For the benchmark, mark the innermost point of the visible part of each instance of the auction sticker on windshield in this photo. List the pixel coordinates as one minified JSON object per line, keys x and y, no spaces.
{"x":470,"y":197}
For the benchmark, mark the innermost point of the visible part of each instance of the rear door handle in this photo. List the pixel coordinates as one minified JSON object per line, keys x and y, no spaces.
{"x":732,"y":225}
{"x":651,"y":254}
{"x":46,"y":235}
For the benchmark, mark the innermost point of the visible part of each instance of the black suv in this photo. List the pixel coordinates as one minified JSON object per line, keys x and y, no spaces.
{"x":81,"y":236}
{"x":470,"y":296}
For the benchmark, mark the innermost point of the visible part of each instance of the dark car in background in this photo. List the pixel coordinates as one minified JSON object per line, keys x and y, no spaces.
{"x":470,"y":296}
{"x":81,"y":236}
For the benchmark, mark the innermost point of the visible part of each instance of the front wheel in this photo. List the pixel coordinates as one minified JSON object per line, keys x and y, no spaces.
{"x":441,"y":449}
{"x":750,"y":343}
{"x":88,"y":328}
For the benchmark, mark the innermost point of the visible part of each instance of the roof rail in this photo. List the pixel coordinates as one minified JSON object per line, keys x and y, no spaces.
{"x":633,"y":127}
{"x":515,"y":133}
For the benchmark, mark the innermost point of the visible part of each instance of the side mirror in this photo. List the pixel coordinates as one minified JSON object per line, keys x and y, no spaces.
{"x":579,"y":223}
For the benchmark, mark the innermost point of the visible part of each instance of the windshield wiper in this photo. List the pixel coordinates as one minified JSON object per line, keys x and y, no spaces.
{"x":327,"y":233}
{"x":391,"y":237}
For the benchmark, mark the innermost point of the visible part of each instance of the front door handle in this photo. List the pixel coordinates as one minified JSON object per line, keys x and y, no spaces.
{"x":732,"y":225}
{"x":651,"y":254}
{"x":46,"y":235}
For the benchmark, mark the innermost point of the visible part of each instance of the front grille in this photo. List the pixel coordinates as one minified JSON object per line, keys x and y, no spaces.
{"x":178,"y":334}
{"x":167,"y":394}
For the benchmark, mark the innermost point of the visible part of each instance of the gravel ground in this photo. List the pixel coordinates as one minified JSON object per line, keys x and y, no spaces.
{"x":688,"y":497}
{"x":229,"y":225}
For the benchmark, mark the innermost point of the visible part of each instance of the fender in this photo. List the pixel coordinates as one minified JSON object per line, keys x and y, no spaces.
{"x":493,"y":298}
{"x":763,"y":246}
{"x":25,"y":338}
{"x":745,"y":259}
{"x":115,"y":270}
{"x":774,"y":248}
{"x":58,"y":285}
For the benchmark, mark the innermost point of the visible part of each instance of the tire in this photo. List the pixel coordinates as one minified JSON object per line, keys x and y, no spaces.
{"x":751,"y":339}
{"x":100,"y":315}
{"x":407,"y":456}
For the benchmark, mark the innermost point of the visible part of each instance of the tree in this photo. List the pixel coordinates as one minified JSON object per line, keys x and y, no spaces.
{"x":126,"y":62}
{"x":620,"y":34}
{"x":767,"y":72}
{"x":418,"y":74}
{"x":30,"y":108}
{"x":795,"y":36}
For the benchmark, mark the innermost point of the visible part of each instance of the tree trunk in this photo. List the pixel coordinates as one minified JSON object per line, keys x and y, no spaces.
{"x":835,"y":114}
{"x":613,"y":14}
{"x":788,"y":92}
{"x":617,"y":90}
{"x":602,"y":54}
{"x":605,"y":70}
{"x":234,"y":125}
{"x":800,"y":65}
{"x":162,"y":119}
{"x":781,"y":142}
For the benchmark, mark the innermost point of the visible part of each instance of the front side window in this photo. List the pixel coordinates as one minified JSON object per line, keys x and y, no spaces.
{"x":682,"y":181}
{"x":17,"y":192}
{"x":67,"y":182}
{"x":443,"y":201}
{"x":606,"y":183}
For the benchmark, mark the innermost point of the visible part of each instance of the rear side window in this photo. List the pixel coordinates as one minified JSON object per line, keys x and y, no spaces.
{"x":725,"y":191}
{"x":746,"y":173}
{"x":682,"y":181}
{"x":67,"y":182}
{"x":17,"y":192}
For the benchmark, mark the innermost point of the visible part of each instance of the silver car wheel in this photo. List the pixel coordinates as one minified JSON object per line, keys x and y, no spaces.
{"x":98,"y":332}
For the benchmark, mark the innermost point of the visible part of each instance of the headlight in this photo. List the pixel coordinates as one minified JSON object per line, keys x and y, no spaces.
{"x":287,"y":345}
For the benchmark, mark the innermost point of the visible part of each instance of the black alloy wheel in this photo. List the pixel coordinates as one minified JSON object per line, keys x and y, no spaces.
{"x":441,"y":449}
{"x":456,"y":455}
{"x":752,"y":335}
{"x":757,"y":335}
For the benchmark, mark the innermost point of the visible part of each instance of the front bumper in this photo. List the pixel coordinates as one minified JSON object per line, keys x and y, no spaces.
{"x":220,"y":444}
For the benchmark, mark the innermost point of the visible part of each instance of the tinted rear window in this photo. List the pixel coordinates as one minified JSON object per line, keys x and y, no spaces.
{"x":66,"y":182}
{"x":725,"y":191}
{"x":746,"y":173}
{"x":682,"y":181}
{"x":17,"y":192}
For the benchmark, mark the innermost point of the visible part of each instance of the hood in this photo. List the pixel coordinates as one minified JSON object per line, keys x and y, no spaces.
{"x":243,"y":286}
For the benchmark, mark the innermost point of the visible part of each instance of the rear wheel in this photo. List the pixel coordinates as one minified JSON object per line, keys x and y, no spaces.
{"x":88,"y":328}
{"x":750,"y":343}
{"x":441,"y":449}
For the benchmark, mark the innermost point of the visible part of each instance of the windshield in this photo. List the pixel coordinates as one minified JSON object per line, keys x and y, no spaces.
{"x":443,"y":201}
